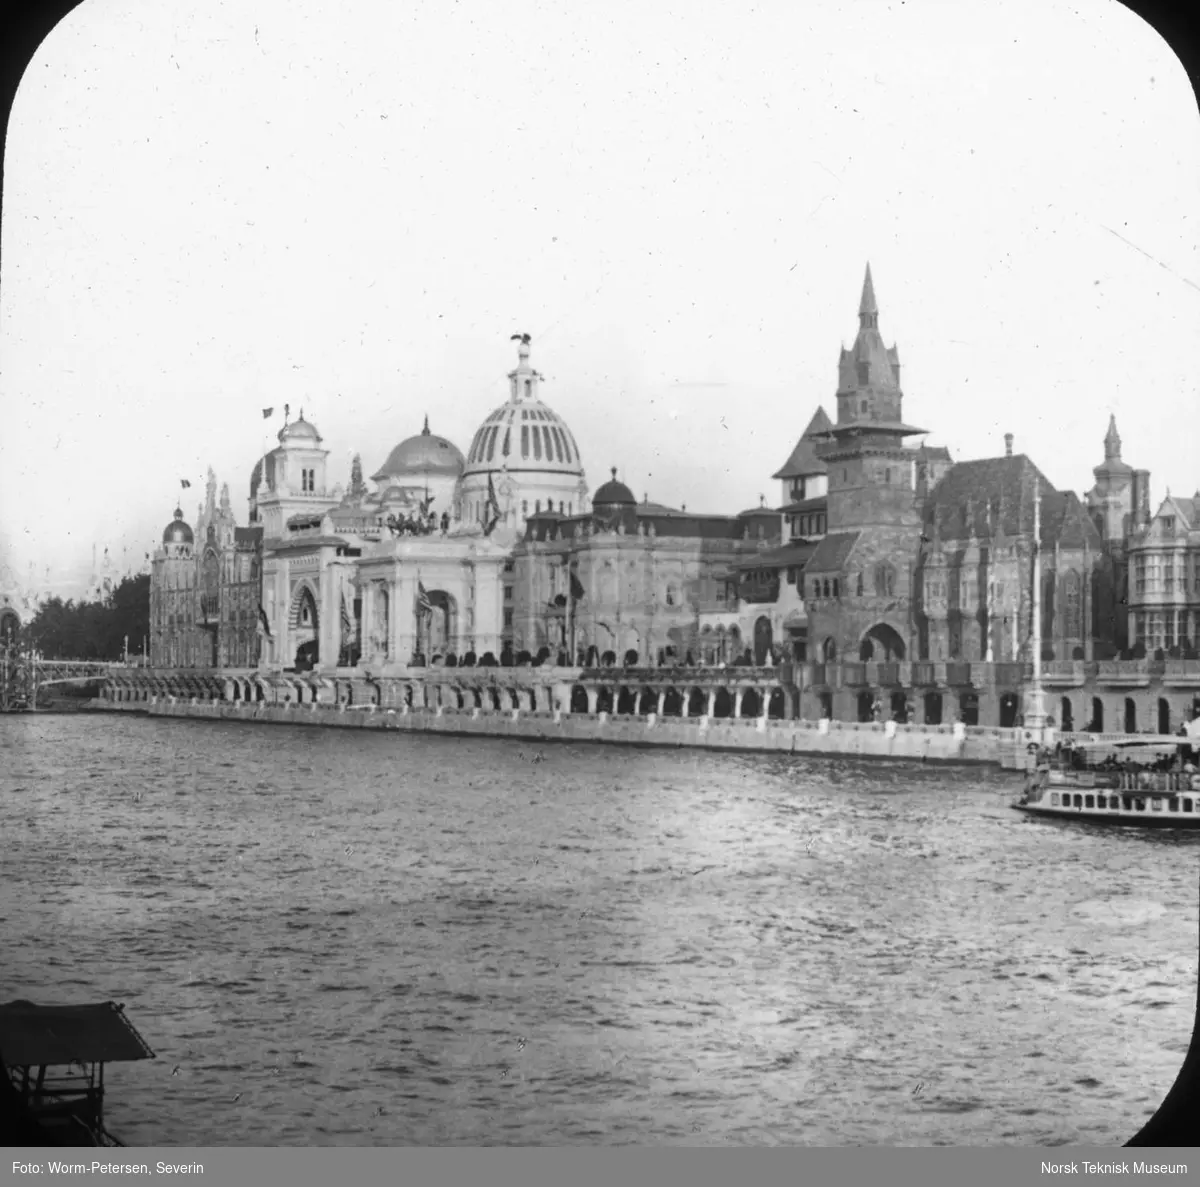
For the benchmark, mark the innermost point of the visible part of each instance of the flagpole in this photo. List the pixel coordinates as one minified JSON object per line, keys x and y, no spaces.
{"x":1035,"y":708}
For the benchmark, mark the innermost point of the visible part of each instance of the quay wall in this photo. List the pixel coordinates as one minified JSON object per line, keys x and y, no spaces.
{"x":888,"y":740}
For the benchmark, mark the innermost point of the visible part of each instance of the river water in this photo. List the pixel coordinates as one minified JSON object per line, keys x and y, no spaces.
{"x":387,"y":939}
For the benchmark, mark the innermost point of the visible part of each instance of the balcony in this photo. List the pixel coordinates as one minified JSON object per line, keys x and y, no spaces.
{"x":924,"y":674}
{"x":759,"y":591}
{"x":958,"y":674}
{"x":1062,"y":673}
{"x":1125,"y":673}
{"x":854,"y":675}
{"x":1181,"y":673}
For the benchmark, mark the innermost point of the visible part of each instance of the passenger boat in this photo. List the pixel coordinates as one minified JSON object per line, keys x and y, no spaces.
{"x":52,"y":1071}
{"x":1147,"y":783}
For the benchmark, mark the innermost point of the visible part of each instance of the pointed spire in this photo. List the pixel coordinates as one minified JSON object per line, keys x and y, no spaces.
{"x":425,"y":430}
{"x":1112,"y":441}
{"x":868,"y":310}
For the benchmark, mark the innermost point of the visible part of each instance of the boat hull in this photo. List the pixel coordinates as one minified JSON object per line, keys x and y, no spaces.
{"x":1120,"y":818}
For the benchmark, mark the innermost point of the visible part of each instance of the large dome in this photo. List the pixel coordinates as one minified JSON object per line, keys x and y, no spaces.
{"x":524,"y":434}
{"x":424,"y":455}
{"x":614,"y":494}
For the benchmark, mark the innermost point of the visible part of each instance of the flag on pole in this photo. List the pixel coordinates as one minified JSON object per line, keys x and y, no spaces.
{"x":577,"y":590}
{"x":184,"y":483}
{"x":262,"y":621}
{"x":268,"y":413}
{"x":423,"y":602}
{"x":493,"y":505}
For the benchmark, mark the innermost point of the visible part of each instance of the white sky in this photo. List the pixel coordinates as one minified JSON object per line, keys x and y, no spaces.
{"x":214,"y":207}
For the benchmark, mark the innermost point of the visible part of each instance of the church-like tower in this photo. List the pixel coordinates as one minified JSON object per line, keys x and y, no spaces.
{"x":870,"y":470}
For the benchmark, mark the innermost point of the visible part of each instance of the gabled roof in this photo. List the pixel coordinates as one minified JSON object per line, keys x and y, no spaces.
{"x":803,"y":460}
{"x":832,"y":553}
{"x":32,"y":1036}
{"x":993,"y":497}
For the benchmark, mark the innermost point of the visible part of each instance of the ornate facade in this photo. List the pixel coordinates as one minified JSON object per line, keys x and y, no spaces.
{"x":205,"y":597}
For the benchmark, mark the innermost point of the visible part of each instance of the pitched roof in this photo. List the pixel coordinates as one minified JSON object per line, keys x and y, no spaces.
{"x":991,"y":497}
{"x":803,"y":460}
{"x":832,"y":552}
{"x":797,"y":552}
{"x":820,"y":503}
{"x":32,"y":1035}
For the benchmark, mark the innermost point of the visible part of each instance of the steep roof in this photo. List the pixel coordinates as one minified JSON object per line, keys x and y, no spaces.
{"x":832,"y":552}
{"x":820,"y":503}
{"x":992,"y":497}
{"x":803,"y":460}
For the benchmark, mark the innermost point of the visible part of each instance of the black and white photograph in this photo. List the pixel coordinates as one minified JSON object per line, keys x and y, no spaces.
{"x":599,"y":575}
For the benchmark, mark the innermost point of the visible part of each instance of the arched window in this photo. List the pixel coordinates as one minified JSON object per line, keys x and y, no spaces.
{"x":825,"y":588}
{"x":524,"y":441}
{"x":1072,"y":606}
{"x":507,"y":441}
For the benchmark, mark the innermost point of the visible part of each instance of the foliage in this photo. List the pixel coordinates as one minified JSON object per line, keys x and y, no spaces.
{"x":94,"y":630}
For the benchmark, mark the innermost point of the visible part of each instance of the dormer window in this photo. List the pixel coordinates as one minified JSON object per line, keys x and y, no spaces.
{"x":1168,"y":523}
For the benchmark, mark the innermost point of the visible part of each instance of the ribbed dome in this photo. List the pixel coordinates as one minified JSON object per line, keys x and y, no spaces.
{"x":177,"y":532}
{"x":613,"y":494}
{"x":424,"y":455}
{"x":524,"y":435}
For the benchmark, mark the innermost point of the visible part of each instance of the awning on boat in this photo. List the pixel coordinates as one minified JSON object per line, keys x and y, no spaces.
{"x":32,"y":1035}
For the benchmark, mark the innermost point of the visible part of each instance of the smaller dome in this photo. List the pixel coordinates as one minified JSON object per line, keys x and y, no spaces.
{"x":426,"y":454}
{"x":299,"y":431}
{"x":614,"y":493}
{"x":177,"y":532}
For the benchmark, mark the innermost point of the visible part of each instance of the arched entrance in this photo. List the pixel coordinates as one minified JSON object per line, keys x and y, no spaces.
{"x":1130,"y":716}
{"x":627,"y":701}
{"x":304,"y":628}
{"x":1009,"y":704}
{"x":762,"y":640}
{"x":826,"y":699}
{"x":579,"y":699}
{"x":697,"y":704}
{"x":1164,"y":715}
{"x":866,"y":706}
{"x":900,"y":708}
{"x":777,"y":705}
{"x":829,"y":651}
{"x":722,"y":703}
{"x":751,"y":703}
{"x":436,"y":624}
{"x":1067,"y":715}
{"x":604,"y":700}
{"x":969,"y":708}
{"x":933,"y":708}
{"x":881,"y":644}
{"x":672,"y":703}
{"x":1097,"y":723}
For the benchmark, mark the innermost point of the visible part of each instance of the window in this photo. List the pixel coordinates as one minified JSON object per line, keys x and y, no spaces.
{"x":1139,"y":574}
{"x":791,"y":575}
{"x":1054,"y":799}
{"x":524,"y":440}
{"x":1169,"y":575}
{"x":508,"y":615}
{"x":859,"y":585}
{"x":508,"y":593}
{"x":825,"y":587}
{"x":1168,"y":523}
{"x":1089,"y":802}
{"x":835,"y":588}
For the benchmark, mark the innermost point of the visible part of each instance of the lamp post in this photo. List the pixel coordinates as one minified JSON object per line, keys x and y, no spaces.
{"x":1035,"y":700}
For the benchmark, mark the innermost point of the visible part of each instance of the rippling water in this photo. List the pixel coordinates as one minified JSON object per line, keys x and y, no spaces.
{"x":394,"y":940}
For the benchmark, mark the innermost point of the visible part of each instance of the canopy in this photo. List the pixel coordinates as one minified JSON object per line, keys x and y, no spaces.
{"x":32,"y":1035}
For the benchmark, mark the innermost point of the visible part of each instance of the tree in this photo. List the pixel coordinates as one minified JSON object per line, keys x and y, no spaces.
{"x":94,"y":630}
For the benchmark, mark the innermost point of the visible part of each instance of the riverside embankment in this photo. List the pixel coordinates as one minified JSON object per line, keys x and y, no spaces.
{"x":886,"y":740}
